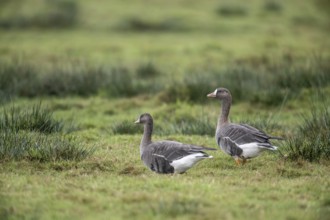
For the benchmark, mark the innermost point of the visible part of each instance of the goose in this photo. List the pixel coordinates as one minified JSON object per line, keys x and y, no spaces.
{"x":167,"y":156}
{"x":241,"y":141}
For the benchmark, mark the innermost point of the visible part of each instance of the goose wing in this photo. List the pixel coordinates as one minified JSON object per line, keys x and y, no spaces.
{"x":230,"y":147}
{"x":158,"y":155}
{"x":172,"y":150}
{"x":243,"y":133}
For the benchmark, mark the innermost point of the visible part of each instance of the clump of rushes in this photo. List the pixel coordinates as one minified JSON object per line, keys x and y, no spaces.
{"x":312,"y":141}
{"x":125,"y":127}
{"x":40,"y":147}
{"x":36,"y":119}
{"x":272,"y":6}
{"x":231,"y":10}
{"x":268,"y":84}
{"x":200,"y":126}
{"x":137,"y":24}
{"x":147,"y":70}
{"x":55,"y":14}
{"x":34,"y":134}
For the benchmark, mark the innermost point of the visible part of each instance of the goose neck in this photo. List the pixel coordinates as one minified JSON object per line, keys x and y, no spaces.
{"x":225,"y":109}
{"x":146,"y":138}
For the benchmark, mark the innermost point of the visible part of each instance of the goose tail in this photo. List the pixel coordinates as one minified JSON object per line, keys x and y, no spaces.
{"x":204,"y":156}
{"x":209,"y":148}
{"x":268,"y":146}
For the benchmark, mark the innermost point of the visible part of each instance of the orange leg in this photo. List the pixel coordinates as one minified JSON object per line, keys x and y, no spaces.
{"x":238,"y":161}
{"x":244,"y":161}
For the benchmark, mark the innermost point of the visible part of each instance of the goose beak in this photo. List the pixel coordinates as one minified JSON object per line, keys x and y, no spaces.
{"x":211,"y":95}
{"x":137,"y":121}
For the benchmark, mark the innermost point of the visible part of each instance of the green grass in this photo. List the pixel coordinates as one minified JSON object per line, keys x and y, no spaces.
{"x":102,"y":65}
{"x":53,"y":14}
{"x":35,"y":118}
{"x":313,"y":138}
{"x":121,"y":187}
{"x":39,"y":147}
{"x":28,"y":134}
{"x":114,"y":182}
{"x":266,"y":82}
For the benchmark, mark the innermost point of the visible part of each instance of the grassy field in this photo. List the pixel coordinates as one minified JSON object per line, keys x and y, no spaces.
{"x":95,"y":66}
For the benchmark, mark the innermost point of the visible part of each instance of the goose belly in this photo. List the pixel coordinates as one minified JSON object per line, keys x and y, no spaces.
{"x":185,"y":163}
{"x":250,"y":150}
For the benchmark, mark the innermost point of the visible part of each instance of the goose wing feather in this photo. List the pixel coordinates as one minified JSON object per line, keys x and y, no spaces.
{"x":172,"y":150}
{"x":230,"y":147}
{"x":242,"y":134}
{"x":158,"y":155}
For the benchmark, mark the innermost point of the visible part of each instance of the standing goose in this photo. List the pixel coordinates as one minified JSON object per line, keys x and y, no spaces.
{"x":241,"y":141}
{"x":167,"y":156}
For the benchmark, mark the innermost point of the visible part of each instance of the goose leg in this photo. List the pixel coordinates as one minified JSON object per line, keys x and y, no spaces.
{"x":244,"y":161}
{"x":238,"y":161}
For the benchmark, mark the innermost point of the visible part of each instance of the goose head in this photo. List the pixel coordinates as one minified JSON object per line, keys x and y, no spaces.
{"x":220,"y":93}
{"x":143,"y":119}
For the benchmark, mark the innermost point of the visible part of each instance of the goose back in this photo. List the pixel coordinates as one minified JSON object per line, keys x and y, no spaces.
{"x":241,"y":134}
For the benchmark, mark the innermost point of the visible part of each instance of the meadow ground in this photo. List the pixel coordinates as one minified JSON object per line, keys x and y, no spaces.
{"x":95,"y":67}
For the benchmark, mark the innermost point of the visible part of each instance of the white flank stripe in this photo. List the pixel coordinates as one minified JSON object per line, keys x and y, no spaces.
{"x":251,"y":150}
{"x":185,"y":163}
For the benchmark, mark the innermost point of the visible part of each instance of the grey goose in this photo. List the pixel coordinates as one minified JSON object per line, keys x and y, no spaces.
{"x":241,"y":141}
{"x":167,"y":156}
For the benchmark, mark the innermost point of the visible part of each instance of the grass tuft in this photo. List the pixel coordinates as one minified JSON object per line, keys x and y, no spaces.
{"x":17,"y":79}
{"x":191,"y":126}
{"x":268,"y":84}
{"x":25,"y":80}
{"x":272,"y":6}
{"x":35,"y":119}
{"x":147,"y":70}
{"x":137,"y":24}
{"x":54,"y":14}
{"x":40,"y":147}
{"x":121,"y":83}
{"x":232,"y":11}
{"x":72,"y":79}
{"x":58,"y":148}
{"x":126,"y":127}
{"x":313,"y":139}
{"x":25,"y":134}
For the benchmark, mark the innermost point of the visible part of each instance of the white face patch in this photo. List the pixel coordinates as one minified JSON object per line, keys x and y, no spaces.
{"x":215,"y":92}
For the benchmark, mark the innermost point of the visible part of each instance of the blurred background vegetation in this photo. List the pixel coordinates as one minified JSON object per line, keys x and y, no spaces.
{"x":177,"y":49}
